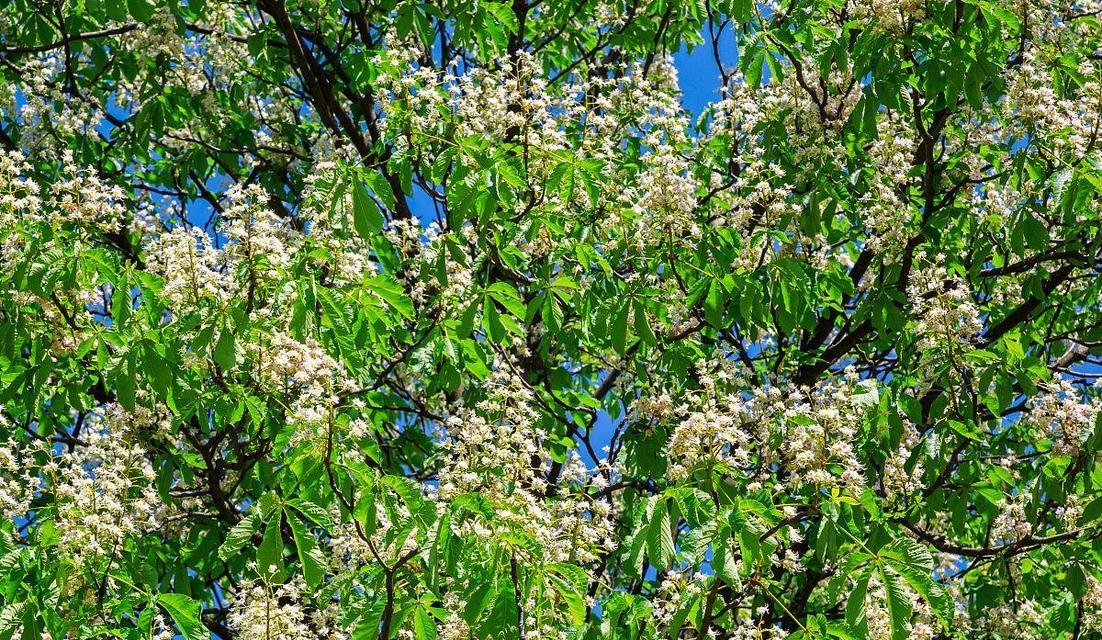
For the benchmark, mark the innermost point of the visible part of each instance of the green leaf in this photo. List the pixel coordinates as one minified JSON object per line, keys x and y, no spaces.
{"x":715,"y":304}
{"x":381,"y":188}
{"x":505,"y":294}
{"x":491,"y":320}
{"x":268,"y":505}
{"x":501,"y":623}
{"x":724,"y":560}
{"x":619,"y":330}
{"x":142,"y":10}
{"x":660,"y":543}
{"x":574,"y":599}
{"x":502,"y":14}
{"x":158,"y":369}
{"x":1034,"y":232}
{"x":239,"y":535}
{"x":1091,"y":512}
{"x":967,"y":430}
{"x":753,"y":72}
{"x":424,"y":627}
{"x":855,"y":603}
{"x":225,"y":353}
{"x":367,"y":625}
{"x":393,"y":294}
{"x":9,"y":618}
{"x":642,"y":327}
{"x":126,"y":384}
{"x":309,"y":556}
{"x":269,"y":555}
{"x":116,"y":10}
{"x":866,"y":394}
{"x":898,"y":605}
{"x":313,"y":512}
{"x":185,"y":612}
{"x":913,"y":561}
{"x":366,"y":216}
{"x":973,"y":86}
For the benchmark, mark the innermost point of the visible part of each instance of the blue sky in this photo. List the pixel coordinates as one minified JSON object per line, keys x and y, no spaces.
{"x":699,"y":74}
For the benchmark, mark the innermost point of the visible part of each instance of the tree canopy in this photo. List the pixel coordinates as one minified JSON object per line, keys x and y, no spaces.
{"x":442,"y":320}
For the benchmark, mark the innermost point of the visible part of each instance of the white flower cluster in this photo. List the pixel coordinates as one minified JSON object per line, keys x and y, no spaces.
{"x":82,"y":198}
{"x":219,"y":51}
{"x":76,"y":197}
{"x":46,"y":108}
{"x":667,"y":188}
{"x":657,"y":407}
{"x":922,"y":626}
{"x":262,"y":611}
{"x":492,"y":447}
{"x":1069,"y":513}
{"x":19,"y":480}
{"x":668,"y":196}
{"x":255,"y":232}
{"x":947,"y":315}
{"x":1068,"y":124}
{"x":346,"y":258}
{"x":104,"y":488}
{"x":876,"y":610}
{"x":819,"y":426}
{"x":896,"y":481}
{"x":889,"y":15}
{"x":19,"y":194}
{"x":1092,"y":605}
{"x":259,"y":245}
{"x":458,"y":254}
{"x":757,"y":629}
{"x":760,"y":194}
{"x":510,"y":99}
{"x":1012,"y":525}
{"x":305,"y":373}
{"x":886,"y":213}
{"x":164,"y":629}
{"x":674,"y":592}
{"x":162,"y":38}
{"x":497,"y":451}
{"x":454,"y":627}
{"x":714,"y":433}
{"x":1013,"y":621}
{"x":191,"y":267}
{"x":203,"y":59}
{"x":1061,"y":415}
